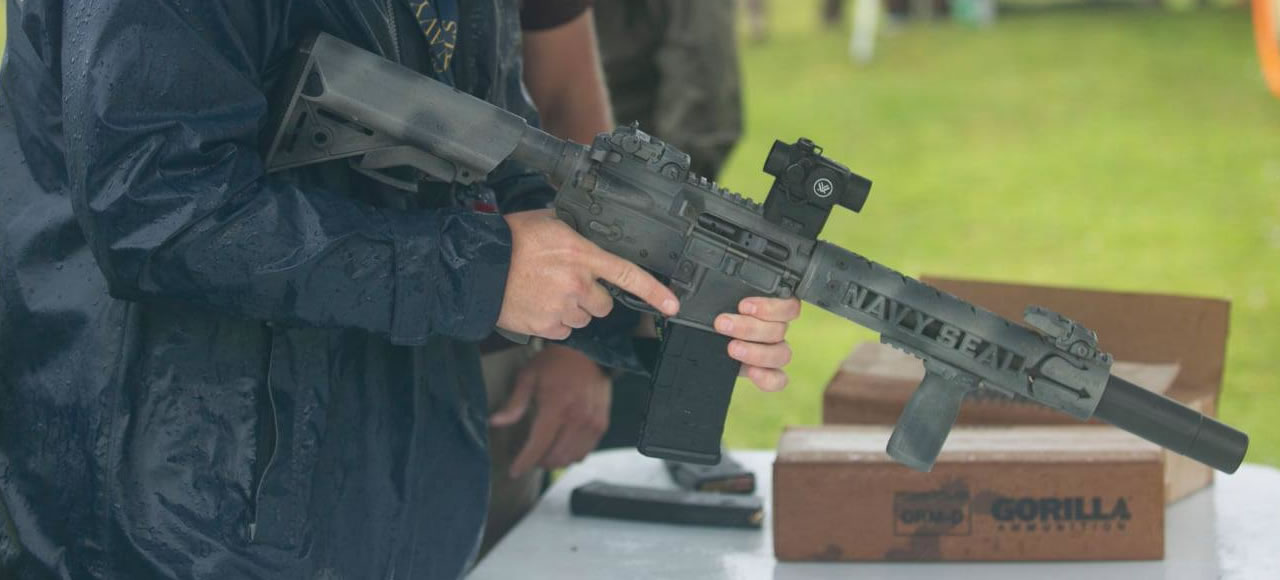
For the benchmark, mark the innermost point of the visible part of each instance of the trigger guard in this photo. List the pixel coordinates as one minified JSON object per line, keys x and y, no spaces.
{"x":629,"y":300}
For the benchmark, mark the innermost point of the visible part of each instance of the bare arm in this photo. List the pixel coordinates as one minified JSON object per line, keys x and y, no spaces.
{"x":562,"y":71}
{"x":572,"y":393}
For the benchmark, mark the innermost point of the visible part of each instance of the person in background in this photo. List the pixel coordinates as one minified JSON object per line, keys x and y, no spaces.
{"x":832,"y":13}
{"x":548,"y":403}
{"x":672,"y":66}
{"x":757,"y":20}
{"x":831,"y":16}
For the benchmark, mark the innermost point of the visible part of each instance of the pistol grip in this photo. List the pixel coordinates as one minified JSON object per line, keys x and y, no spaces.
{"x":926,"y":420}
{"x":692,"y":384}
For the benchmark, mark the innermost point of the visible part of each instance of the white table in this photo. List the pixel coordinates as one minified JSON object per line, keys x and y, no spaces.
{"x":1230,"y":531}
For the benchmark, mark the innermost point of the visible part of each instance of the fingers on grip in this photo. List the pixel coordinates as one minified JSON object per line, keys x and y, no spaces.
{"x":771,"y":309}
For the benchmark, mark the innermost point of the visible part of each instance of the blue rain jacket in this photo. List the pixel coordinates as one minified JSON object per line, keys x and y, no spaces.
{"x":206,"y":372}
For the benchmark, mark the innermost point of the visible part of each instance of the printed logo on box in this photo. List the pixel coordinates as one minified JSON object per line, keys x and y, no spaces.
{"x":1060,"y":514}
{"x":942,"y":512}
{"x":948,"y":512}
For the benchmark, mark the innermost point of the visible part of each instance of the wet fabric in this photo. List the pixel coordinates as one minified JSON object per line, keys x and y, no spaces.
{"x":206,"y":372}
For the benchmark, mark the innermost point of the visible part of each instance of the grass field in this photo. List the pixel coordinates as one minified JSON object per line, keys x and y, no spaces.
{"x":1127,"y":149}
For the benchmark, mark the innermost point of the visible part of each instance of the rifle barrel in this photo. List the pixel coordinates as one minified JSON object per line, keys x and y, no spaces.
{"x":1169,"y":424}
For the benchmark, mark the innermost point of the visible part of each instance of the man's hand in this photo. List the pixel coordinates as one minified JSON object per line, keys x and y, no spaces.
{"x":759,"y":333}
{"x":552,"y":286}
{"x":571,"y":396}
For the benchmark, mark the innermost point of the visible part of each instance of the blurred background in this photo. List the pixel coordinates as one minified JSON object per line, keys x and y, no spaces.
{"x":1121,"y":146}
{"x":1129,"y":147}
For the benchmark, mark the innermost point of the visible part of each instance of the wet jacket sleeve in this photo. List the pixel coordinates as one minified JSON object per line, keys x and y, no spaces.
{"x":164,"y":101}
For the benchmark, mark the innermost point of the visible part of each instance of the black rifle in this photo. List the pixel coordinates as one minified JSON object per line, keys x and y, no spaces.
{"x":634,"y":196}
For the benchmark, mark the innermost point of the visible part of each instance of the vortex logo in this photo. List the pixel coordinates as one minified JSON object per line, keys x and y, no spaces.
{"x":823,"y":187}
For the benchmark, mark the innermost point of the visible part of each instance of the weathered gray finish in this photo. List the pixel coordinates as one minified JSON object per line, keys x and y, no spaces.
{"x":346,"y":102}
{"x":634,"y":196}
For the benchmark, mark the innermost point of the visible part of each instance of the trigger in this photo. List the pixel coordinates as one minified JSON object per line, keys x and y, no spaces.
{"x":629,"y":300}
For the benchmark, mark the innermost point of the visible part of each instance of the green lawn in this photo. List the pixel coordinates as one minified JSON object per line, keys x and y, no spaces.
{"x":1124,"y":149}
{"x":1127,"y":149}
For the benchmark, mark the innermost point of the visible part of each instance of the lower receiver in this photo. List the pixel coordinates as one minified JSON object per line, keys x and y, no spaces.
{"x":634,"y":196}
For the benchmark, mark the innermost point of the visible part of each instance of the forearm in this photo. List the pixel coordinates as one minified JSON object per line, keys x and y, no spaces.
{"x":562,"y":71}
{"x":305,"y":258}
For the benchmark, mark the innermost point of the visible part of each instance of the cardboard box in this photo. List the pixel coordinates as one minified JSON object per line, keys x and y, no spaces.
{"x":996,"y":493}
{"x":874,"y":383}
{"x":1171,"y":344}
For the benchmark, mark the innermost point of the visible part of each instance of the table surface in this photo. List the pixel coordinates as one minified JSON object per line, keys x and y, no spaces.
{"x":1230,"y":531}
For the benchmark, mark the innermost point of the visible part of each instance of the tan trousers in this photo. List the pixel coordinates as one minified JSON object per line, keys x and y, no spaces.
{"x":509,"y":499}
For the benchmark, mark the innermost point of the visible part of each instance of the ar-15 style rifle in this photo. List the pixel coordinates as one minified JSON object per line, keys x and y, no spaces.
{"x":634,"y":196}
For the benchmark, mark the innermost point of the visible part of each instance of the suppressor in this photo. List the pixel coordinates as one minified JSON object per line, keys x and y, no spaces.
{"x":1167,"y":423}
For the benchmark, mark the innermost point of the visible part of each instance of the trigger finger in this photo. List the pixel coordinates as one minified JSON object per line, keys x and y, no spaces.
{"x":598,"y":302}
{"x":637,"y":281}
